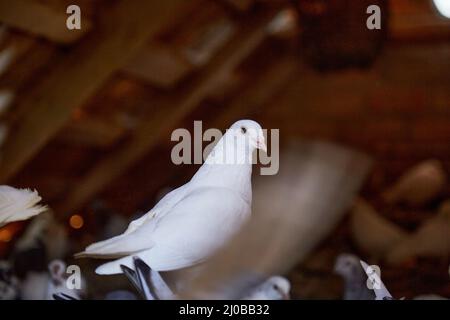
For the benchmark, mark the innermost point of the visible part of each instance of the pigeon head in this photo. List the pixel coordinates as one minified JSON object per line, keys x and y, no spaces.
{"x":278,"y":288}
{"x":238,"y":144}
{"x":251,"y":132}
{"x":347,"y":265}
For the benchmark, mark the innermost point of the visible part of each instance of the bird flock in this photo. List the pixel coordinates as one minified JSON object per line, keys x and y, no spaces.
{"x":190,"y":224}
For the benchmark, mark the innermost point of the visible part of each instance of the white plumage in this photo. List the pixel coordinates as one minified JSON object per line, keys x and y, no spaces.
{"x":18,"y":204}
{"x":191,"y":222}
{"x":274,"y":288}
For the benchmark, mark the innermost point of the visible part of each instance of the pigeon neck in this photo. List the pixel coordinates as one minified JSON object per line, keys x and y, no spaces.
{"x":228,"y":167}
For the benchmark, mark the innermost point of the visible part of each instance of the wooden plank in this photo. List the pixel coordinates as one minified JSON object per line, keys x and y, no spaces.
{"x":292,"y":213}
{"x":99,"y":133}
{"x":122,"y":32}
{"x":169,"y":113}
{"x":40,"y":19}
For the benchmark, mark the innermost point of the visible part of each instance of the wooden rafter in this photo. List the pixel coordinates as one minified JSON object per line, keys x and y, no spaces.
{"x":159,"y":65}
{"x":124,"y":30}
{"x":170,"y":112}
{"x":40,"y":19}
{"x":264,"y":87}
{"x":239,"y":5}
{"x":99,"y":133}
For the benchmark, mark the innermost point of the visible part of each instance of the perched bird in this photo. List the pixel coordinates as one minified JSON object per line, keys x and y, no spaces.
{"x":371,"y":232}
{"x":152,"y":286}
{"x":418,"y":185}
{"x":355,"y":286}
{"x":378,"y":287}
{"x":191,"y":222}
{"x":18,"y":204}
{"x":274,"y":288}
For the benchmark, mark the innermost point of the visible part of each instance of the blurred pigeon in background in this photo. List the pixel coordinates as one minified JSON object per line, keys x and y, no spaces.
{"x":190,"y":223}
{"x":9,"y":284}
{"x":58,"y":281}
{"x":45,"y":233}
{"x":18,"y":204}
{"x":419,"y":185}
{"x":355,"y":286}
{"x":44,"y":285}
{"x":274,"y":288}
{"x":152,"y":286}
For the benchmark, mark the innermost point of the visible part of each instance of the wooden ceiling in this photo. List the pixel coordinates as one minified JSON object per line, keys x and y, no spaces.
{"x":89,"y":113}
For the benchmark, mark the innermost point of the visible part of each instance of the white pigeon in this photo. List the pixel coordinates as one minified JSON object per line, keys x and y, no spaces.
{"x":18,"y":204}
{"x":193,"y":221}
{"x":355,"y":286}
{"x":274,"y":288}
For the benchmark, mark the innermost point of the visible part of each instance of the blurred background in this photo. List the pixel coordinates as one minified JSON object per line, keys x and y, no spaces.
{"x":86,"y":117}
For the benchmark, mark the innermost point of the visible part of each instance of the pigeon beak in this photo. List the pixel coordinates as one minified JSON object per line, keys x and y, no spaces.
{"x":261,"y":144}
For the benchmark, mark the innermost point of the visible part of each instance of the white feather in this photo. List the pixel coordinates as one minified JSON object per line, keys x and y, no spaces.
{"x":18,"y":204}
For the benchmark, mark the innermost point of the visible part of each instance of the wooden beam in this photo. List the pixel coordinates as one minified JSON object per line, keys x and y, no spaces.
{"x":123,"y":31}
{"x":266,"y":86}
{"x":40,"y":19}
{"x":417,"y":21}
{"x":159,"y":65}
{"x":91,"y":132}
{"x":158,"y":125}
{"x":239,"y":5}
{"x":263,"y":87}
{"x":155,"y":63}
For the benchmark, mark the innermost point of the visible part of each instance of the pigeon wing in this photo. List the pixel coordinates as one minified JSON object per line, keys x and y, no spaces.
{"x":195,"y":227}
{"x":109,"y":248}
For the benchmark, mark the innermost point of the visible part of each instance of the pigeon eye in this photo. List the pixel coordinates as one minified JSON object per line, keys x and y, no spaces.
{"x":244,"y":130}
